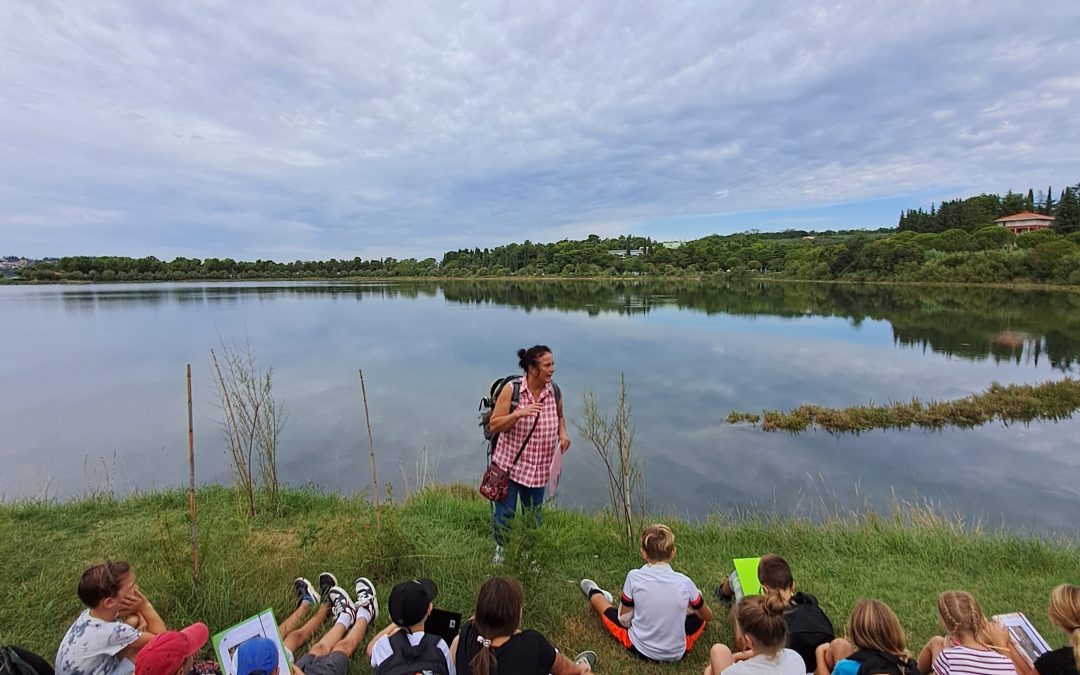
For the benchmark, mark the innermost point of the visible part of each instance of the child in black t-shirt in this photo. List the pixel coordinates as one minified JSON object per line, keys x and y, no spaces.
{"x":1065,"y":613}
{"x":492,"y":638}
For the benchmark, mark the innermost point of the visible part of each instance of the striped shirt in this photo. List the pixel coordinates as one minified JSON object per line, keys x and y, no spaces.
{"x":961,"y":660}
{"x":533,"y":469}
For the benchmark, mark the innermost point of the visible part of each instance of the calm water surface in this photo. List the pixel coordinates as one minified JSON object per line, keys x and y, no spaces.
{"x":93,"y":390}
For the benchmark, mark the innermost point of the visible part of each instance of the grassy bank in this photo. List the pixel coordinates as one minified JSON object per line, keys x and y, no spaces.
{"x":904,"y":559}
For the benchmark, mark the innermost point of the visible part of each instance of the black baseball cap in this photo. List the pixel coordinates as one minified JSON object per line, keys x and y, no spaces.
{"x":409,"y":601}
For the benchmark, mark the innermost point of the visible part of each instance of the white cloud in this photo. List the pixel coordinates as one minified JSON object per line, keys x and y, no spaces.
{"x":414,"y":128}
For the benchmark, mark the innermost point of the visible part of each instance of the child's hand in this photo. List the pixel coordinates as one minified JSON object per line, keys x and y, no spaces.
{"x":133,"y":602}
{"x":743,"y":655}
{"x":996,"y":634}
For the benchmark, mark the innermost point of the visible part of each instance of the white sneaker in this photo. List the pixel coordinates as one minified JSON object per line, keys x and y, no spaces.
{"x":588,"y":586}
{"x":365,"y":597}
{"x":341,"y":604}
{"x":588,"y":656}
{"x":499,"y":558}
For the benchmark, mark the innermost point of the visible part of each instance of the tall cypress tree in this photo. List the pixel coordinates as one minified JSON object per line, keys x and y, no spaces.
{"x":1031,"y":200}
{"x":1048,"y":210}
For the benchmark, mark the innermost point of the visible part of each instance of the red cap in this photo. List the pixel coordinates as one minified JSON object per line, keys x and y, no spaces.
{"x":166,"y":653}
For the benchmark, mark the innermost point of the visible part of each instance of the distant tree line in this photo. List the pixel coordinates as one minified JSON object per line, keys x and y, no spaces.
{"x":957,"y":242}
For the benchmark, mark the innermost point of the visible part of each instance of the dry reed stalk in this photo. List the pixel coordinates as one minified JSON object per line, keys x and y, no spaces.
{"x":191,"y":483}
{"x":371,"y":446}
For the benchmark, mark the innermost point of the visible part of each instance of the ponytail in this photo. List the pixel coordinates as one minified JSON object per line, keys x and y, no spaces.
{"x":1075,"y":640}
{"x":484,"y":661}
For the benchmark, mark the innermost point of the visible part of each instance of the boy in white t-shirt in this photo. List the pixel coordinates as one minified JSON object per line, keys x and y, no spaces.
{"x":117,"y":623}
{"x":661,"y":612}
{"x":410,"y":605}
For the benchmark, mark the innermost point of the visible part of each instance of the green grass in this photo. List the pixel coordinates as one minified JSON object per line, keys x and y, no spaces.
{"x":1056,"y":400}
{"x":905,"y":559}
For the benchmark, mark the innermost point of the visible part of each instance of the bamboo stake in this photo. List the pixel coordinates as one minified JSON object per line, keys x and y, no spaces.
{"x":371,"y":445}
{"x":191,"y":482}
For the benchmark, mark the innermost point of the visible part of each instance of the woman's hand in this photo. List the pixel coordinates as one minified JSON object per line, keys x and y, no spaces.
{"x":529,"y":410}
{"x":564,"y":441}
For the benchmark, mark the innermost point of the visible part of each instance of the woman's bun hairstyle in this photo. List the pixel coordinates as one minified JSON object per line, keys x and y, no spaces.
{"x":529,"y":358}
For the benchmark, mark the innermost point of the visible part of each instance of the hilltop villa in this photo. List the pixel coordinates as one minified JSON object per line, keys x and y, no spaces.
{"x":1025,"y":222}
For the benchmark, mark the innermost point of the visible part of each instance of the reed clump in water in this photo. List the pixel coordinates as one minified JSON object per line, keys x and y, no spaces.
{"x":1025,"y":403}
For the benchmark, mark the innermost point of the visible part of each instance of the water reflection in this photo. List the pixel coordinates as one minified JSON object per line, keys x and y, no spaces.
{"x":1022,"y":327}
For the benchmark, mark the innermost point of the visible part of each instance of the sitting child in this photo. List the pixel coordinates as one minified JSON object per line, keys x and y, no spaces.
{"x":761,"y":630}
{"x":404,"y":641}
{"x":118,"y":621}
{"x":879,"y":645}
{"x":173,"y":652}
{"x":331,"y":654}
{"x":1065,"y":614}
{"x":807,"y":625}
{"x":661,"y":613}
{"x":969,"y":647}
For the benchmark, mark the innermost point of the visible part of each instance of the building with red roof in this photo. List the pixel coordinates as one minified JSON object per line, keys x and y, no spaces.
{"x":1025,"y":222}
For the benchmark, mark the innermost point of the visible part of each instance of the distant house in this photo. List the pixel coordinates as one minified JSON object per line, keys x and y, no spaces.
{"x":621,"y":252}
{"x":1025,"y":222}
{"x":672,"y":244}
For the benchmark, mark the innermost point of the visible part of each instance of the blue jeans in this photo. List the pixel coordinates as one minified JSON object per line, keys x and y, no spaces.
{"x":532,"y":498}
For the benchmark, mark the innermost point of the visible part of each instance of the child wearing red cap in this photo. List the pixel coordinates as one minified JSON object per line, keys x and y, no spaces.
{"x":173,"y":652}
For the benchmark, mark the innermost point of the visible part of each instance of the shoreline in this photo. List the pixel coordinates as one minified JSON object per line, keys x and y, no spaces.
{"x":1023,"y":286}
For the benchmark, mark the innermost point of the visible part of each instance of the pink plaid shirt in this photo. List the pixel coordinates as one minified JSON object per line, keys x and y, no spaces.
{"x":533,"y":469}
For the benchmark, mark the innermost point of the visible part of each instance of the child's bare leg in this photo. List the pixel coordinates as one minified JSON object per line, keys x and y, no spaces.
{"x":831,"y":653}
{"x":599,"y":602}
{"x":293,"y":620}
{"x":295,"y":639}
{"x":353,"y":639}
{"x":929,"y":653}
{"x":327,"y":642}
{"x":720,"y":658}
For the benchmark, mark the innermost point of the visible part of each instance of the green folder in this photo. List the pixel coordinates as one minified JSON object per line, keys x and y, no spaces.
{"x":746,"y":569}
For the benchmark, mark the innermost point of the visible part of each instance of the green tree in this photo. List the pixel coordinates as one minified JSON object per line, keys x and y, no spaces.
{"x":1067,"y":216}
{"x":1012,"y":204}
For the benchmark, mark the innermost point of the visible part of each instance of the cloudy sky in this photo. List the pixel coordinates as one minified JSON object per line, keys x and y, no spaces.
{"x":289,"y":129}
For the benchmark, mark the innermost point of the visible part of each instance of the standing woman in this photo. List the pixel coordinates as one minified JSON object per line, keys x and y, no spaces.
{"x":532,"y":433}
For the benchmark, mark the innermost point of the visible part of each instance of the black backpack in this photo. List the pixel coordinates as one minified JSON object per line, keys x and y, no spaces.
{"x":872,"y":662}
{"x":18,"y":661}
{"x":808,"y":627}
{"x":487,"y":404}
{"x":408,"y":659}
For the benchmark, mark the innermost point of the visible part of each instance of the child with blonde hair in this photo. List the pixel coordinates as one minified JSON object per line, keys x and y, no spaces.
{"x":1065,"y":614}
{"x":761,"y":630}
{"x":972,"y":645}
{"x":875,"y":645}
{"x":661,"y":613}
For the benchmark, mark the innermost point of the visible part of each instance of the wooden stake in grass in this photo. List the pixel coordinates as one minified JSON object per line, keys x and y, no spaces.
{"x":191,"y":483}
{"x":371,"y":445}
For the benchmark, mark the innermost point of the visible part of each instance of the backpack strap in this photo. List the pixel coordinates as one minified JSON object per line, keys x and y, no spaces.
{"x":558,"y":392}
{"x":515,"y":394}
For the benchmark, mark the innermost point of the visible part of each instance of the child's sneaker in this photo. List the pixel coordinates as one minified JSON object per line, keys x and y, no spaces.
{"x":340,"y":603}
{"x":365,"y":597}
{"x":499,"y":558}
{"x":726,"y":599}
{"x":305,"y":592}
{"x":588,"y":586}
{"x":588,"y":656}
{"x":326,"y":582}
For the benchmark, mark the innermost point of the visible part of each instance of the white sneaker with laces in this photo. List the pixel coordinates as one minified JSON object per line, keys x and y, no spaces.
{"x":588,"y":586}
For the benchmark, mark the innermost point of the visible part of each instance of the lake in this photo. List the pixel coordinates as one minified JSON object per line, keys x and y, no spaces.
{"x":93,"y":394}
